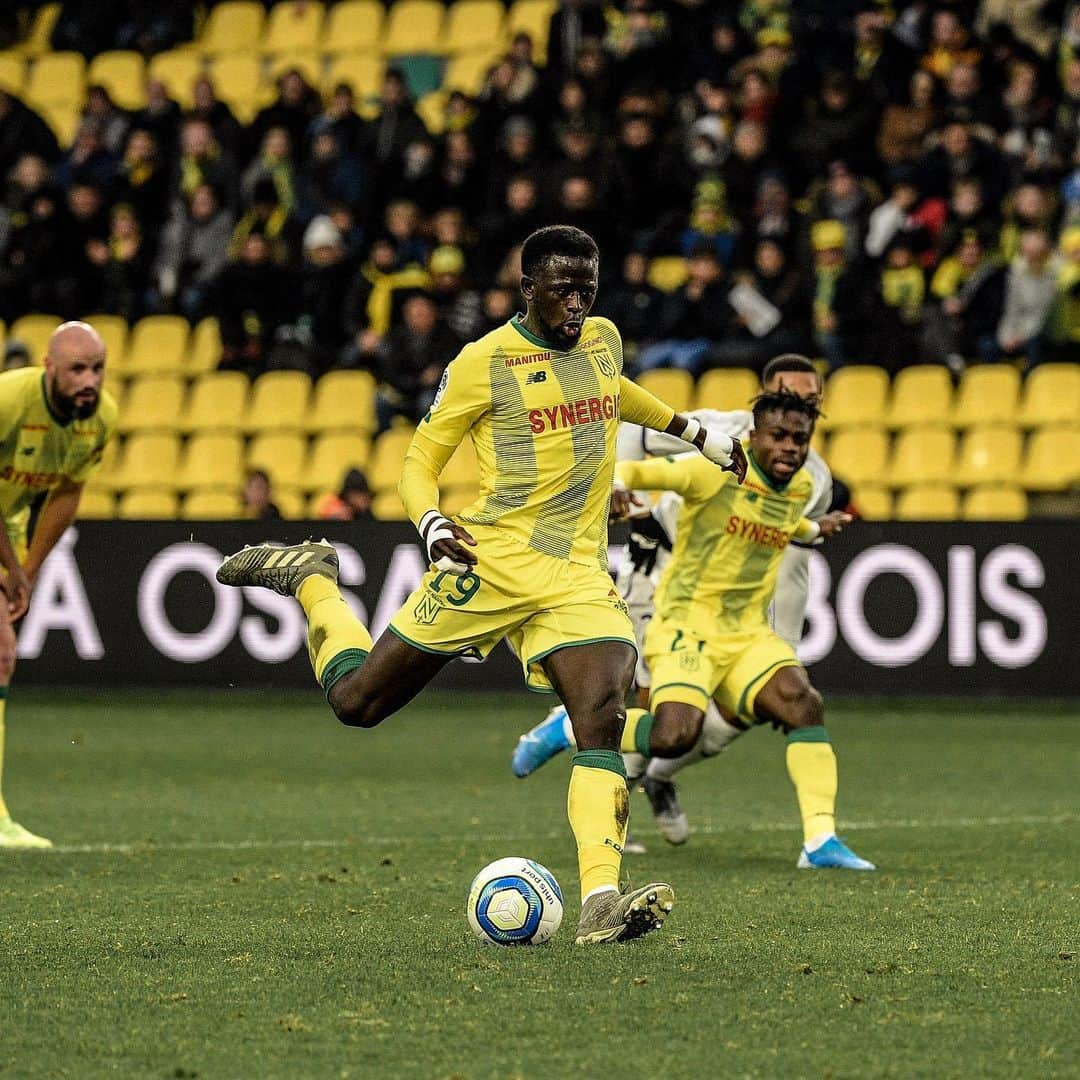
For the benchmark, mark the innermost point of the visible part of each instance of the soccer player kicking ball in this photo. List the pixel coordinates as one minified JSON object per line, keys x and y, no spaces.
{"x":541,"y":398}
{"x":54,"y":425}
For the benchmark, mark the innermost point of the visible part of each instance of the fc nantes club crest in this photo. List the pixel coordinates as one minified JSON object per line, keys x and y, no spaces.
{"x":428,"y":608}
{"x":605,"y":362}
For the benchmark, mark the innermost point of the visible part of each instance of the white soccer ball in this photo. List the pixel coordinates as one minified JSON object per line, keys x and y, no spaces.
{"x":514,"y":902}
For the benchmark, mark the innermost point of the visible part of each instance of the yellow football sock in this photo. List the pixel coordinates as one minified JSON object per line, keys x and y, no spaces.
{"x":338,"y":642}
{"x":3,"y":703}
{"x":598,"y":806}
{"x":811,"y":765}
{"x":637,"y":731}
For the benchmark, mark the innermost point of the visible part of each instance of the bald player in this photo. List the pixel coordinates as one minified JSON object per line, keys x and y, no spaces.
{"x":54,"y":425}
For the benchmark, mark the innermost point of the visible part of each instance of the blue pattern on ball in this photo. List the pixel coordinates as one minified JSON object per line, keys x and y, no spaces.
{"x":523,"y":933}
{"x":547,"y":876}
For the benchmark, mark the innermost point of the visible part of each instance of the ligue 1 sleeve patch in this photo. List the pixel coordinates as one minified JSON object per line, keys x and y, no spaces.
{"x":441,"y":390}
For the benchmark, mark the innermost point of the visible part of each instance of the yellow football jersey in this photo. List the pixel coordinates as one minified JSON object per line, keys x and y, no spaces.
{"x":543,"y":422}
{"x":730,"y":539}
{"x":38,"y":449}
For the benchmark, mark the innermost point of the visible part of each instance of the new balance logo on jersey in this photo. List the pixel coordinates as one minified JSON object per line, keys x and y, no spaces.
{"x":535,"y":377}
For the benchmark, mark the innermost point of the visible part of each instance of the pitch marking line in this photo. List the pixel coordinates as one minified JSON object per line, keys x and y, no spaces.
{"x":150,"y":847}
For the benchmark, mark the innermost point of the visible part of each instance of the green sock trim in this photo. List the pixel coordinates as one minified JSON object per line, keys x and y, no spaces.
{"x":345,"y":661}
{"x":3,"y":692}
{"x":643,"y":734}
{"x":600,"y":759}
{"x":808,"y":734}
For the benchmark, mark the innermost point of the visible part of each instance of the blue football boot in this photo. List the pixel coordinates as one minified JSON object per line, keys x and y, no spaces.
{"x":541,"y":744}
{"x":832,"y":855}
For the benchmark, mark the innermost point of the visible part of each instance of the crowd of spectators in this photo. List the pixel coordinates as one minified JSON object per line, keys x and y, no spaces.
{"x":889,"y":183}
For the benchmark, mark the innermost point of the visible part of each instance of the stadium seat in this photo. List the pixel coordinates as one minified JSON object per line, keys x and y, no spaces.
{"x":387,"y":456}
{"x":920,"y":395}
{"x":388,"y":507}
{"x":212,"y":460}
{"x":670,"y":385}
{"x":281,"y":455}
{"x":412,"y":27}
{"x":353,"y":26}
{"x":57,"y":78}
{"x":204,"y":349}
{"x":237,"y":81}
{"x":1051,"y":395}
{"x":532,"y":17}
{"x":177,"y":69}
{"x":291,"y":26}
{"x":234,"y":26}
{"x":290,"y":502}
{"x":474,"y":26}
{"x":453,"y":502}
{"x":860,"y":455}
{"x":96,"y":504}
{"x":39,"y":38}
{"x":462,"y":471}
{"x":212,"y":506}
{"x":928,"y":502}
{"x":991,"y":503}
{"x":332,"y":455}
{"x":148,"y":506}
{"x":364,"y":73}
{"x":148,"y":460}
{"x":279,"y":401}
{"x":308,"y":62}
{"x":345,"y":401}
{"x":63,"y":120}
{"x":855,"y":396}
{"x":727,"y":388}
{"x":668,"y":272}
{"x":431,"y":108}
{"x":158,"y":344}
{"x":988,"y":394}
{"x":921,"y":456}
{"x":34,"y":332}
{"x":468,"y":71}
{"x":873,"y":503}
{"x":123,"y":74}
{"x":12,"y":72}
{"x":153,"y":403}
{"x":1052,"y":461}
{"x":989,"y":455}
{"x":217,"y":402}
{"x":423,"y":73}
{"x":114,"y":332}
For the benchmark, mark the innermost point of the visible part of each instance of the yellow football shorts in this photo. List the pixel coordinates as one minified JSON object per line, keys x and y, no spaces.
{"x":538,"y":603}
{"x":731,"y":669}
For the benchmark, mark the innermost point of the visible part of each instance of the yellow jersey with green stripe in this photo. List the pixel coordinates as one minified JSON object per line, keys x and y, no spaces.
{"x":39,"y":449}
{"x":730,"y":539}
{"x":543,"y":422}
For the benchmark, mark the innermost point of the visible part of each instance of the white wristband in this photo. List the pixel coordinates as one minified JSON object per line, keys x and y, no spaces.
{"x":433,"y":527}
{"x":691,"y":431}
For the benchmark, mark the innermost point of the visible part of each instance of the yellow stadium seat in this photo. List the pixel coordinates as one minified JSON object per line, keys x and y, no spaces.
{"x":279,"y":401}
{"x":922,"y":456}
{"x":363,"y":72}
{"x":873,"y":503}
{"x":384,"y":469}
{"x":204,"y":349}
{"x":12,"y":72}
{"x":668,"y":272}
{"x":290,"y":502}
{"x":153,"y":403}
{"x":532,"y":17}
{"x":158,"y":344}
{"x":234,"y":26}
{"x":63,"y":119}
{"x":148,"y":506}
{"x":859,"y":455}
{"x":1052,"y":462}
{"x":453,"y":502}
{"x":468,"y":71}
{"x":462,"y":471}
{"x":38,"y":40}
{"x":237,"y":80}
{"x":292,"y":25}
{"x":928,"y":502}
{"x":353,"y":26}
{"x":474,"y":26}
{"x":178,"y":69}
{"x":431,"y":108}
{"x":34,"y":332}
{"x":148,"y":461}
{"x":727,"y":388}
{"x":308,"y":62}
{"x":989,"y":455}
{"x":110,"y":464}
{"x":920,"y":395}
{"x":123,"y":74}
{"x":988,"y":394}
{"x":855,"y":396}
{"x":212,"y":506}
{"x":114,"y":332}
{"x":212,"y":460}
{"x":332,"y":455}
{"x":1051,"y":395}
{"x":344,"y":400}
{"x":413,"y":26}
{"x":281,"y":455}
{"x":387,"y":506}
{"x":96,"y":504}
{"x":670,"y":385}
{"x":990,"y":503}
{"x":57,"y":78}
{"x":217,"y":402}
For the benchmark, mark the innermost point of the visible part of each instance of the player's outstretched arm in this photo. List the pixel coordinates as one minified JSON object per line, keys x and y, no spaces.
{"x":56,"y":517}
{"x":827,"y":525}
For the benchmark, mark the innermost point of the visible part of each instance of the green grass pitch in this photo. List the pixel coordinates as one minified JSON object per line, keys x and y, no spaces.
{"x":243,"y":888}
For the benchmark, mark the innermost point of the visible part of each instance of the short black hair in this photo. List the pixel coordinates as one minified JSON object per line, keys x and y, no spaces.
{"x":556,"y":240}
{"x":788,"y":361}
{"x":784,"y":401}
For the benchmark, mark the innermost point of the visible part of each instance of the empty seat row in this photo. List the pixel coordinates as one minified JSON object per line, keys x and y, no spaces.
{"x":942,"y":502}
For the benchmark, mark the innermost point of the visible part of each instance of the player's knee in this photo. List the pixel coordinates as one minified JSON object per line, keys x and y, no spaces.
{"x":674,"y":732}
{"x":807,"y":708}
{"x":355,"y":709}
{"x":7,"y":658}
